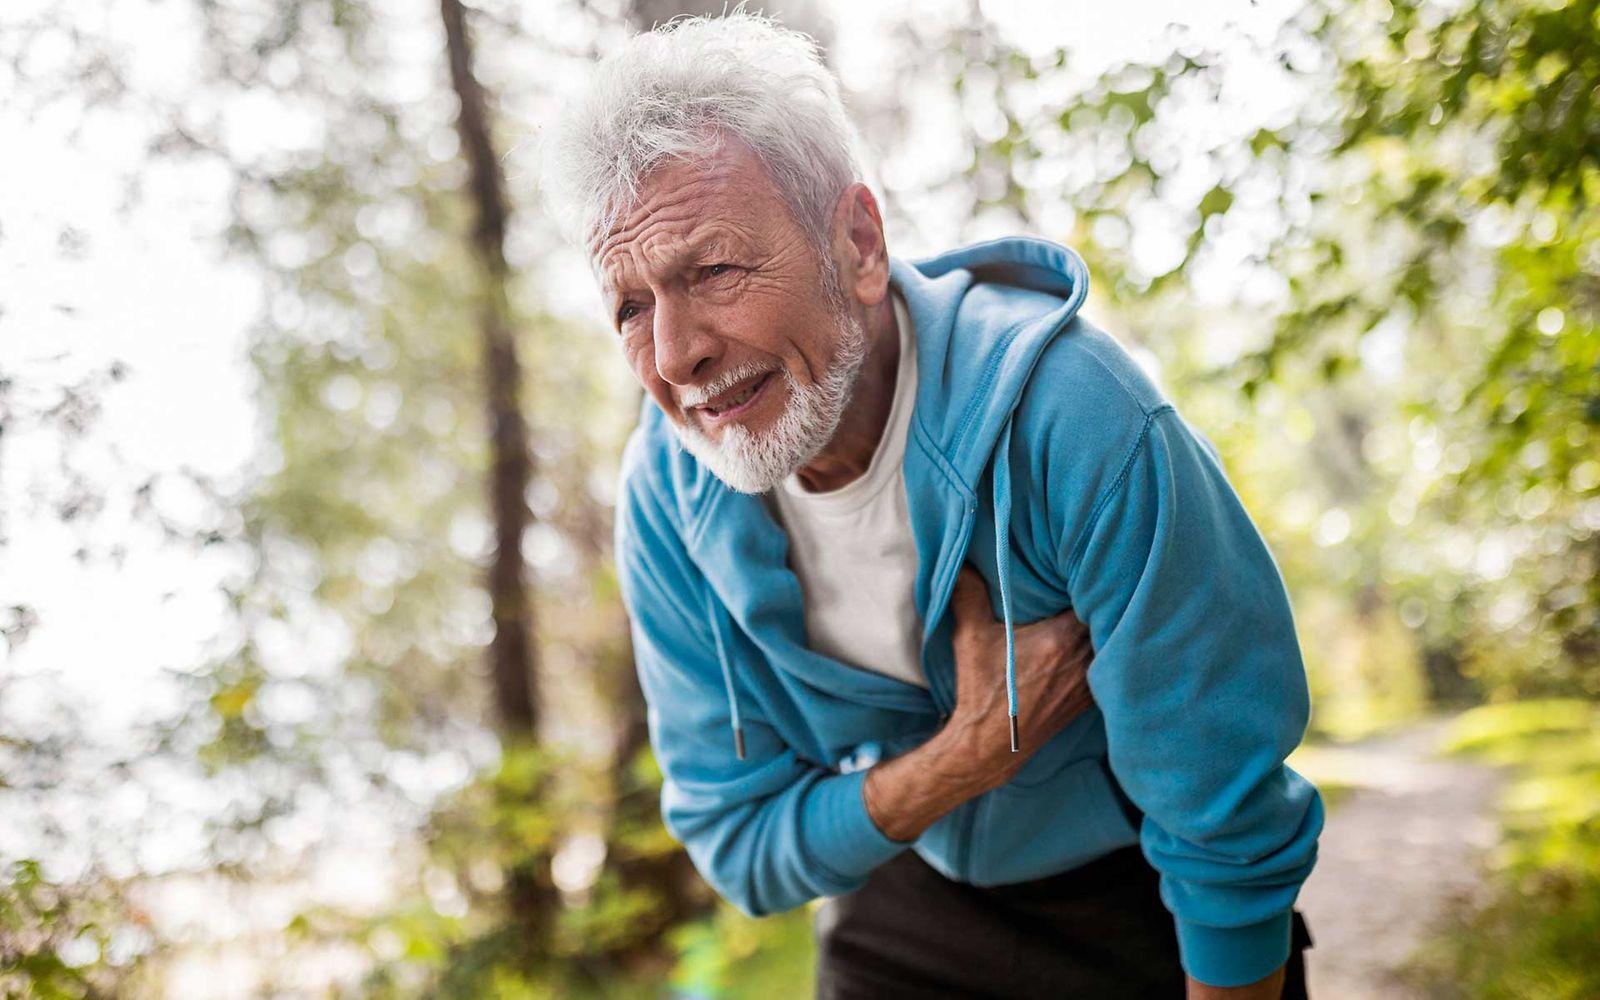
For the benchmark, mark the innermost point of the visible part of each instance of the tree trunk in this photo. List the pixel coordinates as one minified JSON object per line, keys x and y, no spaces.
{"x":513,"y":663}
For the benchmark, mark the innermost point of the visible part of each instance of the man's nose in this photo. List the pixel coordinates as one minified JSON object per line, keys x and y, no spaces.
{"x":686,"y":347}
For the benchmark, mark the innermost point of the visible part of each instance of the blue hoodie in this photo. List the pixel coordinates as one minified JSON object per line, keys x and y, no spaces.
{"x":1033,"y":427}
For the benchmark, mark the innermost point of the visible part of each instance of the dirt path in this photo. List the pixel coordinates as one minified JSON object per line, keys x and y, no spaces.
{"x":1393,"y":853}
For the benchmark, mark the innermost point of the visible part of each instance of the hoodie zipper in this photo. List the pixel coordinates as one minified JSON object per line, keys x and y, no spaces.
{"x":944,"y":700}
{"x":1002,"y":501}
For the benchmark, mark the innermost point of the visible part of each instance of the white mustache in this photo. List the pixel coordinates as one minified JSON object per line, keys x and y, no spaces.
{"x":698,"y":394}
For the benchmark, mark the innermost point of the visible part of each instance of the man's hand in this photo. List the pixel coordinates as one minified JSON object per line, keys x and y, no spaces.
{"x":972,"y":753}
{"x":1270,"y":988}
{"x":1052,"y":657}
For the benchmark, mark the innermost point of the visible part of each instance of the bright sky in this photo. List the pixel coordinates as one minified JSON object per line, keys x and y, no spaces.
{"x":148,"y":290}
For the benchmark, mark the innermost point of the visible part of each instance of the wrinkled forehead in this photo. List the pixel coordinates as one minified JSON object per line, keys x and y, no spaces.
{"x":685,"y":207}
{"x":663,"y":249}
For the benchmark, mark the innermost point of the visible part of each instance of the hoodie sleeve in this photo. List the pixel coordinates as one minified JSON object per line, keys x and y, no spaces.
{"x":1198,"y":674}
{"x":769,"y":832}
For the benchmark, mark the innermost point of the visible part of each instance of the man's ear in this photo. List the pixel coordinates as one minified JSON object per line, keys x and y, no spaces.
{"x":863,"y":256}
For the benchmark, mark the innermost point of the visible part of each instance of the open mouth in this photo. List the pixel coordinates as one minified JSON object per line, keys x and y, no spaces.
{"x":736,"y":402}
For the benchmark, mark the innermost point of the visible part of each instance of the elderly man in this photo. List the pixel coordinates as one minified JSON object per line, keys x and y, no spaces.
{"x":854,"y":480}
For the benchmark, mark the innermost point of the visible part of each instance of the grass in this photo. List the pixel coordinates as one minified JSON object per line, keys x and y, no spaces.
{"x":1538,"y":939}
{"x":1538,"y":936}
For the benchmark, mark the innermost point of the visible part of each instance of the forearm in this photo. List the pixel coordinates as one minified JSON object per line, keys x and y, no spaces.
{"x":909,"y":793}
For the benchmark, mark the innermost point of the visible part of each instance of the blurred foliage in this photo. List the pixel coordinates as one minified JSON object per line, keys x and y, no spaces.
{"x":1553,"y":803}
{"x":1536,"y":939}
{"x":55,"y":937}
{"x":1368,"y":272}
{"x":732,"y":955}
{"x":1536,"y":935}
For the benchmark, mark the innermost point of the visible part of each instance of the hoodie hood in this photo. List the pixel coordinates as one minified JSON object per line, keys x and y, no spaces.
{"x":983,"y":315}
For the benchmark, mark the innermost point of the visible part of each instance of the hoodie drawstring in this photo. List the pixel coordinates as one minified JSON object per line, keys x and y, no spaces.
{"x":727,"y":675}
{"x":1002,"y":565}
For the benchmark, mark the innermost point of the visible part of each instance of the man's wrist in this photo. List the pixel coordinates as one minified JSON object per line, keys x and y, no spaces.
{"x":1269,"y":988}
{"x":909,"y":793}
{"x":962,"y":754}
{"x":975,"y":751}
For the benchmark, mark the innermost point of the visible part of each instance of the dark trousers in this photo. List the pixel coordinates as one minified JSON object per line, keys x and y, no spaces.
{"x":1099,"y":930}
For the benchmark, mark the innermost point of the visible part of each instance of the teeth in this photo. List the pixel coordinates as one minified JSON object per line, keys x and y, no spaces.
{"x":738,"y":400}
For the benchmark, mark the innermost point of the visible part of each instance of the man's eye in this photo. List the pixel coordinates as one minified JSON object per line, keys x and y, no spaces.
{"x":712,"y":271}
{"x":626,"y":313}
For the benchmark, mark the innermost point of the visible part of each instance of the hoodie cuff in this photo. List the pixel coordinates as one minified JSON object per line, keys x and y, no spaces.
{"x":843,"y":838}
{"x":1234,"y":956}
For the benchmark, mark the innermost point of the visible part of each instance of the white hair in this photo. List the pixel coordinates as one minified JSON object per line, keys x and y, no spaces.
{"x":677,"y":92}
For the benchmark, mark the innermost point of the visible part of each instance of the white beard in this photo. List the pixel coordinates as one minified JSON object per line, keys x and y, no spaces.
{"x":755,"y":463}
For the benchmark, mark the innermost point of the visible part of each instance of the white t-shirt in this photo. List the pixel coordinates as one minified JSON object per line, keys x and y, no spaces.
{"x":852,"y":547}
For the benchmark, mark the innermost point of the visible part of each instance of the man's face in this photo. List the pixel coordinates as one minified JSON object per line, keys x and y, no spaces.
{"x":724,"y":317}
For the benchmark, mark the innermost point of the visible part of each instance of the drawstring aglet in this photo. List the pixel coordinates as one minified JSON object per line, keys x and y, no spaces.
{"x":738,"y":741}
{"x":1014,"y":740}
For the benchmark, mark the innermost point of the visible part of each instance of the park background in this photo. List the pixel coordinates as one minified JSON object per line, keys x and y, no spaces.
{"x":312,"y":686}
